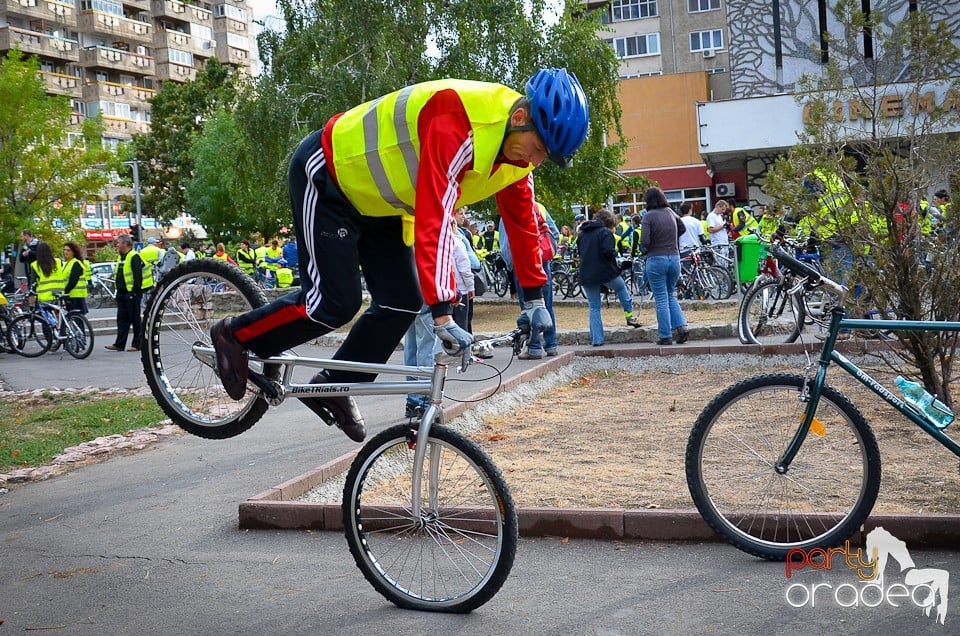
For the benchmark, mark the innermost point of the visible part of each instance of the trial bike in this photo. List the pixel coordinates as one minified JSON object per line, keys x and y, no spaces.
{"x":428,"y":517}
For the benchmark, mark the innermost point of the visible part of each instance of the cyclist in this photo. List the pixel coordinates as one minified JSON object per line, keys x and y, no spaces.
{"x":246,"y":258}
{"x":47,"y":273}
{"x":389,"y":172}
{"x":76,"y":275}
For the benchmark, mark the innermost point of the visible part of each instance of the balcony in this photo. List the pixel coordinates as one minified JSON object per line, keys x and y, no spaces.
{"x":124,"y":128}
{"x":183,"y":41}
{"x":113,"y":92}
{"x":233,"y":56}
{"x":117,"y":27}
{"x":117,"y":60}
{"x":41,"y":44}
{"x":175,"y":72}
{"x":182,"y":11}
{"x":224,"y":24}
{"x":60,"y":84}
{"x":58,"y":12}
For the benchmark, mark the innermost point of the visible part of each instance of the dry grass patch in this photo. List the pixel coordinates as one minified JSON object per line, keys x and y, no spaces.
{"x":617,"y":439}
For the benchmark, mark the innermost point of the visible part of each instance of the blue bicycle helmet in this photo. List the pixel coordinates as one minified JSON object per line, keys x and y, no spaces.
{"x":558,"y":108}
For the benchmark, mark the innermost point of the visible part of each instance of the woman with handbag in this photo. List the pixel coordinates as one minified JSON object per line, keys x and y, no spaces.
{"x":660,"y":230}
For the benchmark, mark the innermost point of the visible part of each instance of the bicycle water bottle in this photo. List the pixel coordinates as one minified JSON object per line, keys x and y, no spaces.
{"x":936,"y":412}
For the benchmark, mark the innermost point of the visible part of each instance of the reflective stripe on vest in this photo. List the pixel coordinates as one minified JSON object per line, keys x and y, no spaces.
{"x":376,"y":146}
{"x":48,"y":287}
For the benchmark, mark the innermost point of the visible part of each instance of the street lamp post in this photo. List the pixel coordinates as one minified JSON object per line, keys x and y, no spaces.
{"x":135,"y":165}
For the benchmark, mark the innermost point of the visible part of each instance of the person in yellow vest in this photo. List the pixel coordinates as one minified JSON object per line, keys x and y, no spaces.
{"x":284,"y":275}
{"x":132,"y":280}
{"x":246,"y":258}
{"x":261,"y":252}
{"x":274,"y":254}
{"x":151,"y":254}
{"x":742,"y":220}
{"x":47,"y":273}
{"x":221,"y":254}
{"x":389,"y":173}
{"x":76,"y":275}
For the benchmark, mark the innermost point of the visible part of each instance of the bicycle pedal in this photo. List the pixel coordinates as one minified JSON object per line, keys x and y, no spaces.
{"x":268,"y":387}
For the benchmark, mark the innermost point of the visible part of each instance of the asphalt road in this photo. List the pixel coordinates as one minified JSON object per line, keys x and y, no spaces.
{"x":147,"y":543}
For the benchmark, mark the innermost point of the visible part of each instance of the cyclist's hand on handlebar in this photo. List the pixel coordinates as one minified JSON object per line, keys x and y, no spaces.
{"x":454,"y":339}
{"x":535,"y":315}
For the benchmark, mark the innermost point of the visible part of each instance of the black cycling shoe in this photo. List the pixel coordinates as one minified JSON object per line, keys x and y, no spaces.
{"x":341,"y":411}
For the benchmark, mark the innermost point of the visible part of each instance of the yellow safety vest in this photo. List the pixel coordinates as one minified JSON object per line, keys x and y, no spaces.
{"x":150,"y":255}
{"x":273,"y":253}
{"x":80,"y":290}
{"x":146,"y":281}
{"x":284,"y":277}
{"x":376,"y":147}
{"x":49,"y":287}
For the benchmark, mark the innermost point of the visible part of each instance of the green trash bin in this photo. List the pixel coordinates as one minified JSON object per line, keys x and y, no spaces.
{"x":749,"y":251}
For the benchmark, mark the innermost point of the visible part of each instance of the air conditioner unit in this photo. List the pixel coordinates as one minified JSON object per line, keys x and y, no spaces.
{"x":708,"y":53}
{"x":725,"y":189}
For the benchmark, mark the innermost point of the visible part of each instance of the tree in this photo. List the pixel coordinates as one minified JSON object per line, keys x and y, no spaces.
{"x":880,"y":128}
{"x":327,"y":61}
{"x":44,"y":177}
{"x":177,"y":114}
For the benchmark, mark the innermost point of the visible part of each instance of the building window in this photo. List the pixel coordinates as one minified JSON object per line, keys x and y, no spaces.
{"x":621,"y":10}
{"x":231,"y":12}
{"x":637,"y":45}
{"x":183,"y":58}
{"x":696,"y":6}
{"x":106,"y":6}
{"x":703,"y":40}
{"x":200,"y":31}
{"x":238,"y":41}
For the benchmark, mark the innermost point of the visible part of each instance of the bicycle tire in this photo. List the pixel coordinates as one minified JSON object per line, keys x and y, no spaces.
{"x":79,"y":342}
{"x":560,"y":282}
{"x":725,"y":285}
{"x":500,"y":283}
{"x":30,"y":335}
{"x":828,"y":490}
{"x":767,"y":317}
{"x":416,"y":562}
{"x":179,"y":315}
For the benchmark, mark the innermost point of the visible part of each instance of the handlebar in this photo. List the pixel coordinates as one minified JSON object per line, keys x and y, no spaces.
{"x":516,"y":338}
{"x":814,"y":277}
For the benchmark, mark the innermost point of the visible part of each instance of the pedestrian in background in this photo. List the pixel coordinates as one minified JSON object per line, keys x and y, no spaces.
{"x":132,"y":279}
{"x":599,"y":267}
{"x":76,"y":275}
{"x":660,"y":230}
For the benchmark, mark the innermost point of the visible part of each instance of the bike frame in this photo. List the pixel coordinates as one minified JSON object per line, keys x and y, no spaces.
{"x":829,"y":355}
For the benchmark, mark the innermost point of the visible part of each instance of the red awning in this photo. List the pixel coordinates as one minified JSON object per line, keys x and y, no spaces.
{"x":680,"y":178}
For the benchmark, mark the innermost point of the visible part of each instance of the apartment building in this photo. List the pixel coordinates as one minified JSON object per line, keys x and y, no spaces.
{"x":111,"y":56}
{"x":707,"y":86}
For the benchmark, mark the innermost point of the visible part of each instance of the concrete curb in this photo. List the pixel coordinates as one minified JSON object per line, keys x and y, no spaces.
{"x":277,"y":507}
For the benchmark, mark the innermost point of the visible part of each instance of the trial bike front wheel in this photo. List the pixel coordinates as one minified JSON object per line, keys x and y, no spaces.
{"x":179,"y":314}
{"x":817,"y":502}
{"x":456,"y":551}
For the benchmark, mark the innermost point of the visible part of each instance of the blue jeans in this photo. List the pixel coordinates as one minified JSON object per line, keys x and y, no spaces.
{"x":662,"y":273}
{"x":420,"y":347}
{"x":534,"y":345}
{"x":615,"y":285}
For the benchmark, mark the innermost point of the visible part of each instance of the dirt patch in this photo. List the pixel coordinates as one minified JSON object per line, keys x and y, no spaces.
{"x":616,"y":439}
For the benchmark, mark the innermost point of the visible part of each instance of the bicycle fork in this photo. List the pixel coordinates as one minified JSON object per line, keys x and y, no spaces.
{"x":426,"y":513}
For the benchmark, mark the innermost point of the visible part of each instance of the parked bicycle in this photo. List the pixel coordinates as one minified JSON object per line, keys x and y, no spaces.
{"x":46,"y":326}
{"x":779,"y":462}
{"x":101,"y":287}
{"x":428,"y":517}
{"x":701,"y":281}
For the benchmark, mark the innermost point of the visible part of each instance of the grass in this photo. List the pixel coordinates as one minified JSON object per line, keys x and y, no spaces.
{"x":34,"y":431}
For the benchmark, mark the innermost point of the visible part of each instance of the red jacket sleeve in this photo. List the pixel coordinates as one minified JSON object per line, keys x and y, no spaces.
{"x":520,"y":221}
{"x":446,"y":152}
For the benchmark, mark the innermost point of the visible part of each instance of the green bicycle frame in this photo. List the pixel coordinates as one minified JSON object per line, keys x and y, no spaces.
{"x":830,"y":355}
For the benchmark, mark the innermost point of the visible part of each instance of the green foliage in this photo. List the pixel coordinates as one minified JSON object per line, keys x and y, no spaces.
{"x":327,"y":61}
{"x":33,"y":432}
{"x":43,"y":182}
{"x":177,"y":115}
{"x":887,"y":163}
